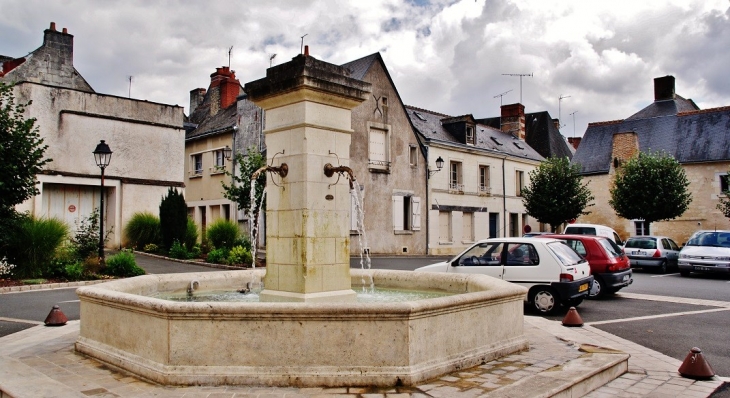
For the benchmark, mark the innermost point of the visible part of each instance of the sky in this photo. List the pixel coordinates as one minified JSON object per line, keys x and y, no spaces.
{"x":446,"y":56}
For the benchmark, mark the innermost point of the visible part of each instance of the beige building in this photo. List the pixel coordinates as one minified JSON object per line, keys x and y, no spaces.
{"x":696,"y":138}
{"x":389,"y":165}
{"x":146,"y":139}
{"x":477,"y":193}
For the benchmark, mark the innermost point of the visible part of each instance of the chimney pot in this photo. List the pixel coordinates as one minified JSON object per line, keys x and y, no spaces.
{"x":306,"y":51}
{"x":513,"y":120}
{"x":65,"y":31}
{"x":53,"y":26}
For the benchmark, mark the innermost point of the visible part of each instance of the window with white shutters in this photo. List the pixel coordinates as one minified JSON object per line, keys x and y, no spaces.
{"x":378,"y":147}
{"x":398,"y":213}
{"x":415,"y":213}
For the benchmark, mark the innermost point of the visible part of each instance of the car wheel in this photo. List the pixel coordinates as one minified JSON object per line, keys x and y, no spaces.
{"x":663,"y":267}
{"x":598,"y":289}
{"x":683,"y":272}
{"x":544,"y":300}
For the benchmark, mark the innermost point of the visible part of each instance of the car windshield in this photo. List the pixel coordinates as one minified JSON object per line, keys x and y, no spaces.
{"x":482,"y":254}
{"x":611,"y":248}
{"x":564,"y":253}
{"x":580,"y":230}
{"x":710,"y":238}
{"x":641,"y":243}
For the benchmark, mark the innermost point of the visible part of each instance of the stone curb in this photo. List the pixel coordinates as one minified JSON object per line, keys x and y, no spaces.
{"x":49,"y":286}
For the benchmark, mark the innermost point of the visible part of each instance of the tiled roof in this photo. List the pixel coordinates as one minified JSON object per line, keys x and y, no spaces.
{"x":429,"y":125}
{"x":540,"y":133}
{"x":690,"y":137}
{"x":359,"y":67}
{"x":220,"y":122}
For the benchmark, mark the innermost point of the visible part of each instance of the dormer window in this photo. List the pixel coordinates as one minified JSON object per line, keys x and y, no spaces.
{"x":470,"y":135}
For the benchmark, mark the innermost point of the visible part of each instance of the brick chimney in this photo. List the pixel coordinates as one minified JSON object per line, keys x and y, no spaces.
{"x":574,"y":141}
{"x":224,"y":88}
{"x":196,"y":97}
{"x":513,"y":120}
{"x":556,"y":123}
{"x":664,"y":88}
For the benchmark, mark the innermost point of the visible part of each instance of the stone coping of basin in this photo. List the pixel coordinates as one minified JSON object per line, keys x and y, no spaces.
{"x":300,"y":344}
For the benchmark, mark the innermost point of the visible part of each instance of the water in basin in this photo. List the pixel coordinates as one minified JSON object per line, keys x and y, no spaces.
{"x":368,"y":295}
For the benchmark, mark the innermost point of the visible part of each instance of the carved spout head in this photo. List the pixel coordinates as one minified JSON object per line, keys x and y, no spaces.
{"x":330,"y":170}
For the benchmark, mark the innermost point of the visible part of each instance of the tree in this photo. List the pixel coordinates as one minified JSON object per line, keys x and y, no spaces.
{"x":724,"y":205}
{"x":21,"y":150}
{"x":240,"y":190}
{"x":650,"y":187}
{"x":173,"y":218}
{"x":556,"y":193}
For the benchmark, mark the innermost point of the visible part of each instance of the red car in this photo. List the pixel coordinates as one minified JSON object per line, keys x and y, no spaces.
{"x":609,"y":265}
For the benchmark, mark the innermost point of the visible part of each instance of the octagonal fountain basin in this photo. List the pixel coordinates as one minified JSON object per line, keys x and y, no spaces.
{"x":300,"y":344}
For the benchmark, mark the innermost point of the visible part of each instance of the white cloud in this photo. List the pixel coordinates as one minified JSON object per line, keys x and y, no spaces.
{"x":444,"y":55}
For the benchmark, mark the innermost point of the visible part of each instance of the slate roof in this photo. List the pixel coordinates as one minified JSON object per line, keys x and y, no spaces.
{"x":222,"y":121}
{"x":429,"y":125}
{"x":665,"y":108}
{"x":691,"y":137}
{"x":359,"y":67}
{"x":540,"y":133}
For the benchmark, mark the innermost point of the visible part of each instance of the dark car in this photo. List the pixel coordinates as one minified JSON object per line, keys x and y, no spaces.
{"x":609,"y":265}
{"x":655,"y":252}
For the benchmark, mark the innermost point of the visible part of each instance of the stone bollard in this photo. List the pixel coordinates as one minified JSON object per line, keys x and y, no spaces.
{"x":56,"y":317}
{"x":695,"y":366}
{"x":572,"y":318}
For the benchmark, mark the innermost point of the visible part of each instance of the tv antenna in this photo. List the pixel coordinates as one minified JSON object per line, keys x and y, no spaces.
{"x":229,"y":56}
{"x":560,"y":99}
{"x":521,"y":75}
{"x":301,"y":49}
{"x":130,"y":87}
{"x":500,"y":97}
{"x":271,"y":59}
{"x":573,"y":114}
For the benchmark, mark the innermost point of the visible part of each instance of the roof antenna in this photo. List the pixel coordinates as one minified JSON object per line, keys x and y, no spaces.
{"x":573,"y":114}
{"x":559,"y":119}
{"x":229,"y":57}
{"x":130,"y":87}
{"x":301,"y":49}
{"x":500,"y":97}
{"x":521,"y":75}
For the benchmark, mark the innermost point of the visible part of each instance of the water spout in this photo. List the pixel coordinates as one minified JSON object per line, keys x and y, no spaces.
{"x":194,"y":284}
{"x":282,"y":171}
{"x":330,"y":170}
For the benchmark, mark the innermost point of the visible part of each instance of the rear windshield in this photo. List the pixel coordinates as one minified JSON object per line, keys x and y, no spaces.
{"x":641,"y":243}
{"x":712,"y":238}
{"x":611,"y":248}
{"x":580,"y":231}
{"x":564,"y":253}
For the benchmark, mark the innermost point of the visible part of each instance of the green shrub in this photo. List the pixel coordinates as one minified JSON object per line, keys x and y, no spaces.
{"x":222,"y":234}
{"x":122,"y":265}
{"x":151,"y":248}
{"x":143,"y":229}
{"x":191,"y":234}
{"x":86,"y":240}
{"x":239,"y":255}
{"x":178,"y":250}
{"x":74,"y":272}
{"x":194,"y":252}
{"x":35,"y":244}
{"x":243,"y":242}
{"x":173,"y":218}
{"x":218,"y":256}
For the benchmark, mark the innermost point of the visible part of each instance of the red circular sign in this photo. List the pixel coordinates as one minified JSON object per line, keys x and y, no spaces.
{"x":527,"y":229}
{"x":71,"y":208}
{"x":571,"y":221}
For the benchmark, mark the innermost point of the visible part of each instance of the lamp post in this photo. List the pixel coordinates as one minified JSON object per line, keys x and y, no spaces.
{"x":102,"y":155}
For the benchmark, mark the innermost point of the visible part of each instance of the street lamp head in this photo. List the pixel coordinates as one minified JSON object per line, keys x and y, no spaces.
{"x":102,"y":154}
{"x":439,"y":163}
{"x":227,"y":151}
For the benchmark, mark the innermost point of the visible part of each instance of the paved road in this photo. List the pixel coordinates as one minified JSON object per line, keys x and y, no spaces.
{"x":672,"y":328}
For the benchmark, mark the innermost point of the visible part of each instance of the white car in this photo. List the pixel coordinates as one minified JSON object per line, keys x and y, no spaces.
{"x":593,"y":229}
{"x":707,"y":252}
{"x":553,"y":272}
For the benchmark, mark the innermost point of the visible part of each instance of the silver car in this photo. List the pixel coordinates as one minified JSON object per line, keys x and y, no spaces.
{"x":655,"y":252}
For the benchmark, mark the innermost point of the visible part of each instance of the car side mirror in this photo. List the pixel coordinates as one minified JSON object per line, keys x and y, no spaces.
{"x":455,"y":263}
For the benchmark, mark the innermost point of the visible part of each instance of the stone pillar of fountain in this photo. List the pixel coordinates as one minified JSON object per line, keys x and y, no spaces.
{"x":308,"y":105}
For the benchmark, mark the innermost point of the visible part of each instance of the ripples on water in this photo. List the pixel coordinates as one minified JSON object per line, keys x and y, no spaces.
{"x":378,"y":295}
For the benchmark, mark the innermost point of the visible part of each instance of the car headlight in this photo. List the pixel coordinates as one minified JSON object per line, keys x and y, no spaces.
{"x":681,"y":255}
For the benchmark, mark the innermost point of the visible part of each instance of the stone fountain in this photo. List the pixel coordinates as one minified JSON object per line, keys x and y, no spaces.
{"x":307,"y":329}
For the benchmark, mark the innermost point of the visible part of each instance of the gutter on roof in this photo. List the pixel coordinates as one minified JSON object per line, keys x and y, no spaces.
{"x":211,"y":132}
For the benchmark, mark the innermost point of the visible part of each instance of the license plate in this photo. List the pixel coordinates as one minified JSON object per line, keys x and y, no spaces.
{"x":583,"y":287}
{"x":635,"y":252}
{"x":703,"y":268}
{"x":626,"y":278}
